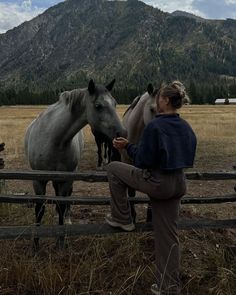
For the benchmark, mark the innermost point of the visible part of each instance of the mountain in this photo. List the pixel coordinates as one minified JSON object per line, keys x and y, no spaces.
{"x":187,"y":14}
{"x":81,"y":39}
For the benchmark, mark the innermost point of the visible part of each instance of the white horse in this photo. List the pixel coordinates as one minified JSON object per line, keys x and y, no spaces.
{"x":141,"y":111}
{"x":54,"y":140}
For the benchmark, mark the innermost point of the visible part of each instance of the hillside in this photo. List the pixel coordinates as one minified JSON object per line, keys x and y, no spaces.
{"x":129,"y":40}
{"x":187,"y":14}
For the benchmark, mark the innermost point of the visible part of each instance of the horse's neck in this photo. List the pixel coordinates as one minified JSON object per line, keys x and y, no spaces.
{"x":135,"y":133}
{"x":73,"y":127}
{"x":67,"y":124}
{"x":135,"y":123}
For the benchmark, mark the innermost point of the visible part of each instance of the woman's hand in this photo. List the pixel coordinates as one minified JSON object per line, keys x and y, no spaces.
{"x":120,"y":143}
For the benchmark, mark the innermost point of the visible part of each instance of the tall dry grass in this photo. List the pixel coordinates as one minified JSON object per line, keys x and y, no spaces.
{"x":124,"y":263}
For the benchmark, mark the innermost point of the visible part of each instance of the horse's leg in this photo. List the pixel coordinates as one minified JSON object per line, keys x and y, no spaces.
{"x":67,"y":210}
{"x":105,"y":151}
{"x":109,"y":151}
{"x":39,"y":189}
{"x":149,"y":213}
{"x":62,"y":189}
{"x":99,"y":145}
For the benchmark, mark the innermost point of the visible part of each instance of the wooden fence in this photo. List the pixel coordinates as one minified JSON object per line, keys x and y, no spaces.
{"x":15,"y":232}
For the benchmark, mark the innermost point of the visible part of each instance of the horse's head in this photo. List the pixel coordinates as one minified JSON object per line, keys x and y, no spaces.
{"x":150,"y":107}
{"x":101,"y":110}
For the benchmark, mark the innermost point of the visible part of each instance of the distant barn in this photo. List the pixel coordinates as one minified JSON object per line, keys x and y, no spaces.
{"x":225,"y":101}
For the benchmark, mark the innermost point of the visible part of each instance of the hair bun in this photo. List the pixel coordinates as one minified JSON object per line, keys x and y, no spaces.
{"x":182,"y":91}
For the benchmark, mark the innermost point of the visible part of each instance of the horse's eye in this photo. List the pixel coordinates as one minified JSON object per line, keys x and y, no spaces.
{"x":98,"y":106}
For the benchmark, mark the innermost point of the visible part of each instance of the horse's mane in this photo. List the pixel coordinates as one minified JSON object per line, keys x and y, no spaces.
{"x":71,"y":98}
{"x":133,"y":104}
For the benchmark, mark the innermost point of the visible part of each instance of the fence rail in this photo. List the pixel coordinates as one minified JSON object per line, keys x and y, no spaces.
{"x":100,"y":200}
{"x":92,"y":176}
{"x":15,"y":232}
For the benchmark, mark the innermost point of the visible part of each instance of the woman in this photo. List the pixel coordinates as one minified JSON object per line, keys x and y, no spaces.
{"x":167,"y":146}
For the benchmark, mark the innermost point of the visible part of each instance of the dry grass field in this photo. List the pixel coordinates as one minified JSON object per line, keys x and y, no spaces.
{"x":124,"y":263}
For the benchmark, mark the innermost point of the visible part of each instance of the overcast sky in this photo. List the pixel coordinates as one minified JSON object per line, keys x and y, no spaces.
{"x":14,"y":12}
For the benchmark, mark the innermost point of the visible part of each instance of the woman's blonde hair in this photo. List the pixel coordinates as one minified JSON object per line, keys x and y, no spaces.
{"x":176,"y":93}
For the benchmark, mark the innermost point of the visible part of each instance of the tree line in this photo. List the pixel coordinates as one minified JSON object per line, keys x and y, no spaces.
{"x":199,"y":93}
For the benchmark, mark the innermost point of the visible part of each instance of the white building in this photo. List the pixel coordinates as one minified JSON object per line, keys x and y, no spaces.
{"x":225,"y":101}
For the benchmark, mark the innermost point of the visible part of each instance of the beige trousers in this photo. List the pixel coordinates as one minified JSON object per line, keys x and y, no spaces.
{"x":165,"y":192}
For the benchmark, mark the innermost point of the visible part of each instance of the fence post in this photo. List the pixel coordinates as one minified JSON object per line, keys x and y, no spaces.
{"x":2,"y":147}
{"x":2,"y":181}
{"x":234,"y":167}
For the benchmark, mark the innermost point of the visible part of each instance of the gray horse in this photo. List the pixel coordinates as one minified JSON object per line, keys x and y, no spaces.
{"x":54,"y":140}
{"x":141,"y":111}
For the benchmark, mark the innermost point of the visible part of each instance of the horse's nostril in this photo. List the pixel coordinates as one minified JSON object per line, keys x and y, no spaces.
{"x":117,"y":134}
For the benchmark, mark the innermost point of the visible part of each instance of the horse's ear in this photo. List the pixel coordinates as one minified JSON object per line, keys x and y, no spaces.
{"x":150,"y":89}
{"x":91,"y":87}
{"x":110,"y":85}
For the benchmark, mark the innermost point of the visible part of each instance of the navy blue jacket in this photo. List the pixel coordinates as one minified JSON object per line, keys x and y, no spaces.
{"x":167,"y":143}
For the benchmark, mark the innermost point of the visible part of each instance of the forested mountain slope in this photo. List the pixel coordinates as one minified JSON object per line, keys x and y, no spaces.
{"x":81,"y":39}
